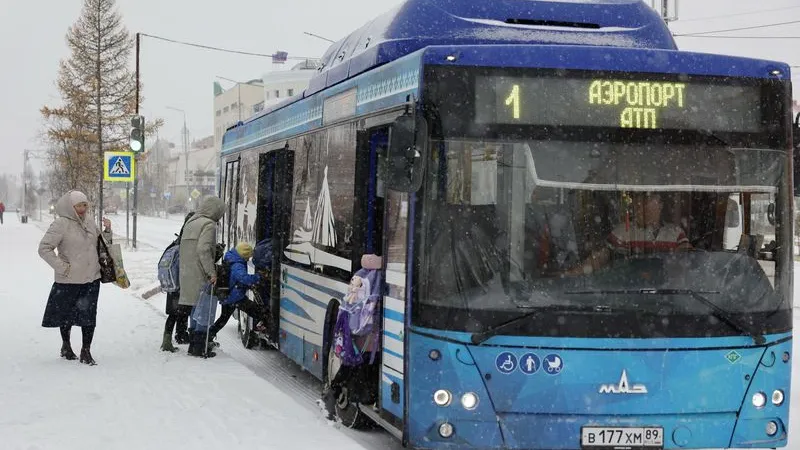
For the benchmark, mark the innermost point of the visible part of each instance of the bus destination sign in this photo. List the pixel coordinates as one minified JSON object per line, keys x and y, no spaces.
{"x":617,"y":103}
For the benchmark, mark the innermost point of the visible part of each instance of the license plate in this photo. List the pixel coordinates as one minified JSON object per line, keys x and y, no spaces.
{"x":617,"y":438}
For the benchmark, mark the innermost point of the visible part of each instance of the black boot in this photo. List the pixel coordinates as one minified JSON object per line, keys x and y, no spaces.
{"x":182,"y":338}
{"x":199,"y":346}
{"x":67,"y":353}
{"x":86,"y":357}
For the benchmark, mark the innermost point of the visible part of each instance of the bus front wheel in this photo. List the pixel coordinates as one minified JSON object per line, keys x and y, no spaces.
{"x":347,"y":412}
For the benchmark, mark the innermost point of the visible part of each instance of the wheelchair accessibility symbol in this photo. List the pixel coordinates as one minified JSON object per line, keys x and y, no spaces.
{"x":553,"y":364}
{"x":506,"y":362}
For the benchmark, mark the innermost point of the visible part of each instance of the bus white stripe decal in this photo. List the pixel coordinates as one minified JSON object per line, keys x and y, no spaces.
{"x":393,"y":372}
{"x":393,"y":345}
{"x":396,"y":278}
{"x":316,"y":279}
{"x":393,"y":362}
{"x":395,"y":305}
{"x":311,"y":338}
{"x":393,"y":326}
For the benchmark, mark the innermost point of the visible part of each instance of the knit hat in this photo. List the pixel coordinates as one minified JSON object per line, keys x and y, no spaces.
{"x":77,"y":197}
{"x":244,"y":250}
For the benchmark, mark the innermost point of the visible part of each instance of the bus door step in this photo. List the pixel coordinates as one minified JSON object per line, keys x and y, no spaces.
{"x":369,"y":411}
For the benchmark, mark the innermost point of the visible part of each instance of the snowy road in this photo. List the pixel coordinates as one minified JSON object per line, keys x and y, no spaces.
{"x":139,"y":397}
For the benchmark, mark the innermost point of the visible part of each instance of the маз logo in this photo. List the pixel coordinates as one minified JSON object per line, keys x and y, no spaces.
{"x":624,"y":387}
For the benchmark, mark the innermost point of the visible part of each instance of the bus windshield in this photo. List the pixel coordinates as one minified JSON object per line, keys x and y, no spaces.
{"x":605,"y":239}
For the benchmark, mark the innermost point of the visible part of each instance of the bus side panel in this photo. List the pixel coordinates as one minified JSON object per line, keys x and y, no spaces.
{"x":304,"y":302}
{"x":394,"y":308}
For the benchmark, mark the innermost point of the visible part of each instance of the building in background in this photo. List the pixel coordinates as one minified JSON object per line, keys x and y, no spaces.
{"x":201,"y":175}
{"x":280,"y":85}
{"x":235,"y":104}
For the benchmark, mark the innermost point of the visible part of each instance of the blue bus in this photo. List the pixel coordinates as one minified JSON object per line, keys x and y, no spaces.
{"x":585,"y":233}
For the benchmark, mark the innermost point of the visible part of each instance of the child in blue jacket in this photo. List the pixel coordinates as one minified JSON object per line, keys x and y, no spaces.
{"x":240,"y":282}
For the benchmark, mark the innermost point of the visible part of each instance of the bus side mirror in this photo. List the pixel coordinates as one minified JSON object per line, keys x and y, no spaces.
{"x":796,"y":154}
{"x":406,"y":157}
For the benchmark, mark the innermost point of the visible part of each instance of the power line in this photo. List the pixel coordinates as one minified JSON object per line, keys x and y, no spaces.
{"x":224,"y":50}
{"x":736,"y":37}
{"x":755,"y":27}
{"x":723,"y":16}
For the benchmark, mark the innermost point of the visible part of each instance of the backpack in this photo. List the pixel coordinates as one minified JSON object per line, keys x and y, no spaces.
{"x":262,"y":254}
{"x":168,"y":269}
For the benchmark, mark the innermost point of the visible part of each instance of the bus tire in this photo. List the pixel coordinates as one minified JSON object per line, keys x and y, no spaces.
{"x":348,"y":413}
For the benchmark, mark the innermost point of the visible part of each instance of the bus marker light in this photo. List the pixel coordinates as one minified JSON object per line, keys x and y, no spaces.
{"x":451,"y":58}
{"x":759,"y":400}
{"x":786,"y":357}
{"x":442,"y":397}
{"x":446,"y":430}
{"x":772,"y":428}
{"x":777,"y":397}
{"x":435,"y":355}
{"x":469,"y":401}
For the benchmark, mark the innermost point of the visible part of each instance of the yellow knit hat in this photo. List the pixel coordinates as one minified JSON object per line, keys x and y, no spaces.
{"x":244,"y":250}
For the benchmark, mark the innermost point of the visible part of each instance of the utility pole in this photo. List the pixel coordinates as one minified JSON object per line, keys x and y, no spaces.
{"x":136,"y":156}
{"x":185,"y":149}
{"x":24,"y":216}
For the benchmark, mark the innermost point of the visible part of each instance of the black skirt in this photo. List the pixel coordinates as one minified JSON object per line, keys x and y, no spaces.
{"x":72,"y":305}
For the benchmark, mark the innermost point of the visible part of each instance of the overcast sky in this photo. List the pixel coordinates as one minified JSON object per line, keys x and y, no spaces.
{"x":32,"y":43}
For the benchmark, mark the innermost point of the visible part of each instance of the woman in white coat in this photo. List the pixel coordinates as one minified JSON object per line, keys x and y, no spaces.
{"x":70,"y":248}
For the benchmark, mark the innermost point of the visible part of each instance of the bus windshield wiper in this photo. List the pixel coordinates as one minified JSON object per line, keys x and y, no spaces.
{"x":483,"y":336}
{"x":718,"y":312}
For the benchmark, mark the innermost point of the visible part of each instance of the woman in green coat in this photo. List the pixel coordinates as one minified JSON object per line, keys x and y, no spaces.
{"x":197,"y":252}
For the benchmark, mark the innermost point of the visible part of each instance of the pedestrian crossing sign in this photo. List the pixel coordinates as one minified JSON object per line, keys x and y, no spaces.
{"x":119,"y":166}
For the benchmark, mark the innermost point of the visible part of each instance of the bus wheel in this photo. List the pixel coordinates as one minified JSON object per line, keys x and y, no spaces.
{"x":246,"y":333}
{"x":347,"y":412}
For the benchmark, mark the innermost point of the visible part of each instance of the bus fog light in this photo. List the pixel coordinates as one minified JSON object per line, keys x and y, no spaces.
{"x":777,"y":397}
{"x":469,"y":400}
{"x":759,"y":399}
{"x":446,"y":430}
{"x":772,"y":428}
{"x":442,"y":397}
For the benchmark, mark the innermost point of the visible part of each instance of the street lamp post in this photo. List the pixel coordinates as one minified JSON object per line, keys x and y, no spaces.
{"x":185,"y":148}
{"x":239,"y":94}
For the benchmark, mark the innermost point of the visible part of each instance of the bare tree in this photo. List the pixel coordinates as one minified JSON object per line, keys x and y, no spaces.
{"x":97,"y":88}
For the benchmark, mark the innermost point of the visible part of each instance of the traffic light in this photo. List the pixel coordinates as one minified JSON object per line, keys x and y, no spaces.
{"x":137,"y":133}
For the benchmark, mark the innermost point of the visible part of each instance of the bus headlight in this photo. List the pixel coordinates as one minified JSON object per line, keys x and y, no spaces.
{"x":772,"y":428}
{"x":442,"y":397}
{"x":777,"y":397}
{"x":446,"y":430}
{"x":759,"y":400}
{"x":469,"y":401}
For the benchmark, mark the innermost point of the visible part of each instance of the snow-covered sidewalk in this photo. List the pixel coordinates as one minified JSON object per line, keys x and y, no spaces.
{"x":137,"y":397}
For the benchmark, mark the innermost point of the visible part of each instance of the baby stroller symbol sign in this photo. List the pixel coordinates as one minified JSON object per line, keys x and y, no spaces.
{"x":553,"y":364}
{"x":506,"y":362}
